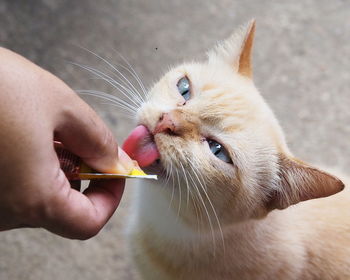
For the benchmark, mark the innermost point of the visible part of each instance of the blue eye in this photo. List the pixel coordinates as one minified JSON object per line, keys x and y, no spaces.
{"x":183,"y":86}
{"x":219,"y":151}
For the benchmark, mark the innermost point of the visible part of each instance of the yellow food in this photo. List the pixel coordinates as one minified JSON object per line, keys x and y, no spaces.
{"x":137,"y":172}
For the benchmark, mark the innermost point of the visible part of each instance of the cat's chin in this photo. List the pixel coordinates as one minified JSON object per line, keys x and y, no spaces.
{"x":156,"y":168}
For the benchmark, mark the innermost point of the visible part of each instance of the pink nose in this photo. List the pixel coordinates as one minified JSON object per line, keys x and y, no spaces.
{"x":165,"y":124}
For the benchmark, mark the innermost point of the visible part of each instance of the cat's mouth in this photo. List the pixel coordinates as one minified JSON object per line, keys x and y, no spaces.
{"x":140,"y":146}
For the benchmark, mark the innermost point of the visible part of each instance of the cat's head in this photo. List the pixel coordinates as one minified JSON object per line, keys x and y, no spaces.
{"x":217,"y":137}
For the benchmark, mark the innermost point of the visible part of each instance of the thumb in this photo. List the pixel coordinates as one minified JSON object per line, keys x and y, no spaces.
{"x":78,"y":215}
{"x":83,"y":133}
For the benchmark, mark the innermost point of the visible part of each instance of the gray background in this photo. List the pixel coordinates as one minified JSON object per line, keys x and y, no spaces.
{"x":301,"y":63}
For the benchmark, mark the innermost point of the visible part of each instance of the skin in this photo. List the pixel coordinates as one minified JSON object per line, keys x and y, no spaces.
{"x":37,"y":108}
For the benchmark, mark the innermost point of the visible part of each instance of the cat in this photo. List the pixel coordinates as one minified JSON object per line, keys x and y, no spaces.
{"x":232,"y":202}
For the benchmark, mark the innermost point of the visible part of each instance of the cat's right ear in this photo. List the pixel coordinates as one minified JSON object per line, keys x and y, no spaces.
{"x":299,"y":182}
{"x":237,"y":50}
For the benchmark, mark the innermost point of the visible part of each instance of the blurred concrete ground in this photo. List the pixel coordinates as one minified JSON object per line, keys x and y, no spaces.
{"x":301,"y":63}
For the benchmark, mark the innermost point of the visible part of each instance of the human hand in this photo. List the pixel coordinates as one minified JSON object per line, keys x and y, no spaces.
{"x":37,"y":108}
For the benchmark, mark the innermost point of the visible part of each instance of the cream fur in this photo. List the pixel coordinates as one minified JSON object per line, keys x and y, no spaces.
{"x":212,"y":220}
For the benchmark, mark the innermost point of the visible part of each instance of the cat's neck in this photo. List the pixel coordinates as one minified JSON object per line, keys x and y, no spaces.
{"x":161,"y":222}
{"x":161,"y":214}
{"x":169,"y":244}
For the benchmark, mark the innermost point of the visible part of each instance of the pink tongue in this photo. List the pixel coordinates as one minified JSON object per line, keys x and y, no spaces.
{"x":140,"y":146}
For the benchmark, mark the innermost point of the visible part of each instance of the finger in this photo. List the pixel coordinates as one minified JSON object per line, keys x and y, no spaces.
{"x":82,"y":215}
{"x":86,"y":135}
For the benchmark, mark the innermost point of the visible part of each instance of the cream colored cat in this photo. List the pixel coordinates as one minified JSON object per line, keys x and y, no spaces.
{"x":224,"y":207}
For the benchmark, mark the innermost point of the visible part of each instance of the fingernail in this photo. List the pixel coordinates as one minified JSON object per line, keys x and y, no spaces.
{"x":124,"y":164}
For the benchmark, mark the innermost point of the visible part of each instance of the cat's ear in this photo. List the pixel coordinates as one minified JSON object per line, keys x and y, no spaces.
{"x":299,"y":182}
{"x":237,"y":50}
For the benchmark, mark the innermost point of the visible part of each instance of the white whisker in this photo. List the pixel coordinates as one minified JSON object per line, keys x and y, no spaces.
{"x":173,"y":184}
{"x":204,"y":206}
{"x":114,"y":99}
{"x":119,"y":72}
{"x":112,"y":82}
{"x":180,"y":195}
{"x":187,"y":187}
{"x":167,"y":176}
{"x":125,"y":114}
{"x":195,"y":201}
{"x":135,"y":75}
{"x":211,"y":205}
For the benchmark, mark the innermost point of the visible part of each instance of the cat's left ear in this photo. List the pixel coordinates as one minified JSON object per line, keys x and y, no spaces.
{"x":237,"y":50}
{"x":299,"y":182}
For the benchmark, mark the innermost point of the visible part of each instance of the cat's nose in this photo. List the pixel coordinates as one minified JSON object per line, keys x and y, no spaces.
{"x":166,"y":124}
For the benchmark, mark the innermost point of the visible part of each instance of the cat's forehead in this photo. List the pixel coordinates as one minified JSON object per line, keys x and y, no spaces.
{"x":222,"y":102}
{"x":219,"y":97}
{"x":201,"y":74}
